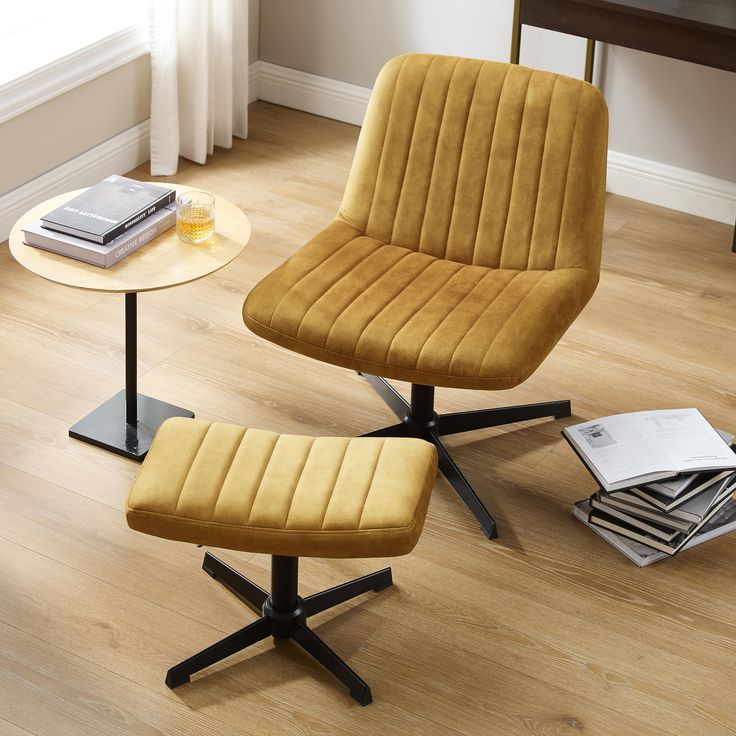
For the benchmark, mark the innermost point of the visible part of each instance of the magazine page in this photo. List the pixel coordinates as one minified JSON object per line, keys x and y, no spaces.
{"x":687,"y":439}
{"x":619,"y":448}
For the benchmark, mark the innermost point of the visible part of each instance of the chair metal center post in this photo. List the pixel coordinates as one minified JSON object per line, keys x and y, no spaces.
{"x":284,"y":607}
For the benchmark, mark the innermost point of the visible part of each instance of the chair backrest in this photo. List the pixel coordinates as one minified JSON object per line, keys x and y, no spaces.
{"x":483,"y":163}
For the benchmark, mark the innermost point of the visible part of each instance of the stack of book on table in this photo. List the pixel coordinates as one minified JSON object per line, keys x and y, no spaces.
{"x":666,"y":481}
{"x":105,"y":223}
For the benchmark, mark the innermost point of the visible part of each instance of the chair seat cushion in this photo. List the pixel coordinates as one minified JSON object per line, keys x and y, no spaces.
{"x":228,"y":486}
{"x":351,"y":300}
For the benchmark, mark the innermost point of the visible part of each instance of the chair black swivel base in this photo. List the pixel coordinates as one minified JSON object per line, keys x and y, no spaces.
{"x":284,"y":617}
{"x":419,"y":419}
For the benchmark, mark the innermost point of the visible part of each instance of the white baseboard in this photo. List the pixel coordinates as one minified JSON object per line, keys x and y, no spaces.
{"x":311,"y":93}
{"x":119,"y":154}
{"x":629,"y":176}
{"x":254,"y":73}
{"x":668,"y":186}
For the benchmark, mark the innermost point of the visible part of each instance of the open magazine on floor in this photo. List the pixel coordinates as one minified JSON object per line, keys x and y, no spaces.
{"x":627,"y":450}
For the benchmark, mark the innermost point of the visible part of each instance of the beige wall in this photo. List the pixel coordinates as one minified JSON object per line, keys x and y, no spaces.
{"x":254,"y":21}
{"x":62,"y":128}
{"x":350,"y":40}
{"x":671,"y":111}
{"x":664,"y":110}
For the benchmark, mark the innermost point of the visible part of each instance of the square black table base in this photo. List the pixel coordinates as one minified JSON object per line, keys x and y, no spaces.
{"x":106,"y":426}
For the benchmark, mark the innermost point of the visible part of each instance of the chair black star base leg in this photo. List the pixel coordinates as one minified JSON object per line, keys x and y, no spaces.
{"x":312,"y":644}
{"x":419,"y":419}
{"x":458,"y":481}
{"x":248,"y":592}
{"x":251,"y":634}
{"x":375,"y":581}
{"x":284,"y":617}
{"x":466,"y":421}
{"x":393,"y":399}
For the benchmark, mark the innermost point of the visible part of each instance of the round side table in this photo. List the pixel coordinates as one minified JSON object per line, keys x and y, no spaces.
{"x":127,"y":422}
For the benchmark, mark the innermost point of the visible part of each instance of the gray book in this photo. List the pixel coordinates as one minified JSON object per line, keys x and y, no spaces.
{"x":96,"y":254}
{"x":666,"y":504}
{"x":682,"y":517}
{"x":656,"y":529}
{"x":108,"y":209}
{"x":672,"y":546}
{"x":673,"y":488}
{"x":640,"y":554}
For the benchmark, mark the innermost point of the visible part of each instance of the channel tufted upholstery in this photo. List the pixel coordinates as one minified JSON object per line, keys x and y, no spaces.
{"x":227,"y":486}
{"x":469,"y":235}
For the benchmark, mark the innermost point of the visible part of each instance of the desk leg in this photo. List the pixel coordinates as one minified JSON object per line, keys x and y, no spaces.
{"x":515,"y":35}
{"x":127,"y":423}
{"x":733,"y":247}
{"x":589,"y":59}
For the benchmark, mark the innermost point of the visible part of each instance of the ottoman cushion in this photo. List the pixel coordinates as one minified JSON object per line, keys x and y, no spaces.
{"x":228,"y":486}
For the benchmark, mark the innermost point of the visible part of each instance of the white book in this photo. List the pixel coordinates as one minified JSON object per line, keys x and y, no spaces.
{"x":626,"y":450}
{"x":96,"y":254}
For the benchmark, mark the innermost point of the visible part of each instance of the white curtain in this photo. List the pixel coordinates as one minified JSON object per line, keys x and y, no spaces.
{"x":199,"y":79}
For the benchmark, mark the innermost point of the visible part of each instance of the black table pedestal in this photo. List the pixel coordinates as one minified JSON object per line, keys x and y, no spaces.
{"x":106,"y":426}
{"x":127,"y":423}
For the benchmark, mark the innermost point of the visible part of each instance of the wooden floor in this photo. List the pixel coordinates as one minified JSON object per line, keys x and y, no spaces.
{"x":544,"y":631}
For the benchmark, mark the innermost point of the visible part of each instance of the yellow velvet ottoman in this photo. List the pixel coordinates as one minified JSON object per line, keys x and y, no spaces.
{"x":289,"y":496}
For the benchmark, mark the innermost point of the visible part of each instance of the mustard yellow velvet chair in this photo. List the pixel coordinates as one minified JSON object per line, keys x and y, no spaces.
{"x":467,"y":241}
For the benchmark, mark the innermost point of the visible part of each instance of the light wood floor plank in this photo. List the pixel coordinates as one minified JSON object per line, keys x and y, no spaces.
{"x":11,"y":729}
{"x":53,"y":691}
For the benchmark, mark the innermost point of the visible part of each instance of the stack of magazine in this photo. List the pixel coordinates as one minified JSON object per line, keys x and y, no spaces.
{"x":666,"y":481}
{"x":106,"y":222}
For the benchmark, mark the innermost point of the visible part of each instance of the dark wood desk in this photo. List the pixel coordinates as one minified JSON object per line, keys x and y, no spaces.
{"x":701,"y":31}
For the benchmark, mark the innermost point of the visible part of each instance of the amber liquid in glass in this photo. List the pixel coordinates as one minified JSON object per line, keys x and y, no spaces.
{"x":195,"y":224}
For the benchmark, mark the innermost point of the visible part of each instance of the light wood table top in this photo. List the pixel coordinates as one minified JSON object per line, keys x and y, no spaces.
{"x":165,"y":261}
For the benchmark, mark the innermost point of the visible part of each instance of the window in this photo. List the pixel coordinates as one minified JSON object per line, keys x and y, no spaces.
{"x":48,"y":47}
